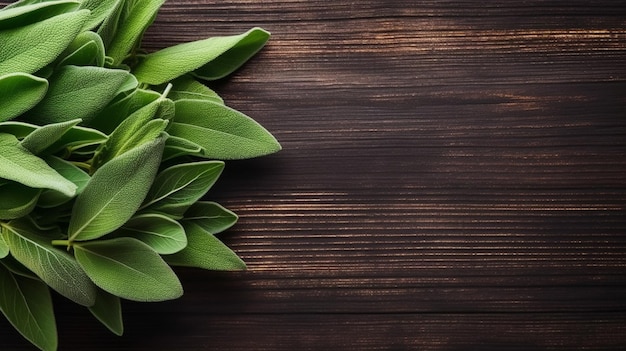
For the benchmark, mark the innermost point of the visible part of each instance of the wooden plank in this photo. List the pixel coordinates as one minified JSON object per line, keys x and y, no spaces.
{"x":452,"y":178}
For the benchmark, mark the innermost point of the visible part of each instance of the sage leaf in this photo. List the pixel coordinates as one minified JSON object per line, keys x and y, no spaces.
{"x":115,"y":192}
{"x":113,"y":114}
{"x":163,"y":234}
{"x":52,"y":198}
{"x":17,"y":200}
{"x":175,"y":147}
{"x":222,"y":132}
{"x":18,"y":164}
{"x":87,"y":49}
{"x":179,"y":186}
{"x":187,"y":87}
{"x":108,"y":310}
{"x":77,"y":138}
{"x":128,"y":268}
{"x":30,"y":48}
{"x":99,"y":11}
{"x":4,"y":247}
{"x":19,"y":16}
{"x":18,"y":129}
{"x":20,"y":92}
{"x":205,"y":251}
{"x":122,"y":31}
{"x":211,"y":216}
{"x":55,"y":267}
{"x":15,"y":267}
{"x":27,"y":304}
{"x":77,"y":92}
{"x":43,"y":137}
{"x":209,"y":59}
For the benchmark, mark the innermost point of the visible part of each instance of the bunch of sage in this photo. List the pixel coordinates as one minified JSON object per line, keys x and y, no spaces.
{"x":106,"y":154}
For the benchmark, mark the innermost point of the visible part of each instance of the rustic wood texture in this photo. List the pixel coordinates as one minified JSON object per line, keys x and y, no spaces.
{"x":453,"y":178}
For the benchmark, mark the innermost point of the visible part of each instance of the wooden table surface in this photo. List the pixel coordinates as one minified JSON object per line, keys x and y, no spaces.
{"x":453,"y":178}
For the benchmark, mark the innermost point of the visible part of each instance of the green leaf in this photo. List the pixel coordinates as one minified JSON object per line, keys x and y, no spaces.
{"x":179,"y":186}
{"x":163,"y":234}
{"x":27,"y":305}
{"x":20,"y":92}
{"x":55,"y":267}
{"x":41,"y":138}
{"x":122,"y":31}
{"x":52,"y":198}
{"x":30,"y":48}
{"x":128,"y":268}
{"x":108,"y":310}
{"x":175,"y":147}
{"x":222,"y":132}
{"x":100,"y":10}
{"x":87,"y":49}
{"x":115,"y":192}
{"x":4,"y":247}
{"x":205,"y":251}
{"x":187,"y":87}
{"x":18,"y":164}
{"x":19,"y":16}
{"x":77,"y":138}
{"x":77,"y":92}
{"x":17,"y":129}
{"x":210,"y":59}
{"x":113,"y":114}
{"x":17,"y":200}
{"x":211,"y":216}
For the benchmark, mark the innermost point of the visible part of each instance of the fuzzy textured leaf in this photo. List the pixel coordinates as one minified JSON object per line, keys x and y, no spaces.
{"x":210,"y":59}
{"x":163,"y":234}
{"x":44,"y":136}
{"x":54,"y":266}
{"x":28,"y":49}
{"x":52,"y":198}
{"x":128,"y":268}
{"x":222,"y":132}
{"x":27,"y":304}
{"x":18,"y":164}
{"x":115,"y":192}
{"x":19,"y":16}
{"x":20,"y":92}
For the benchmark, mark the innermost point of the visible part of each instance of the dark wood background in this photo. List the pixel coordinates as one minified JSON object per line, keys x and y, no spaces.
{"x":453,"y":178}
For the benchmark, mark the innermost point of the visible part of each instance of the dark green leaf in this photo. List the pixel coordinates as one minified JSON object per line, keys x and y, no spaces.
{"x":163,"y":234}
{"x":30,"y":48}
{"x":27,"y":304}
{"x":54,"y":266}
{"x":128,"y":268}
{"x":18,"y":164}
{"x":222,"y":132}
{"x":210,"y":59}
{"x":205,"y":251}
{"x":115,"y":192}
{"x":178,"y":187}
{"x":51,"y":198}
{"x":17,"y":129}
{"x":108,"y":310}
{"x":17,"y":200}
{"x":20,"y":92}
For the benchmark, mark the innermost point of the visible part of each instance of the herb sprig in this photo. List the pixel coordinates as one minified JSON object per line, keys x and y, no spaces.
{"x":106,"y":154}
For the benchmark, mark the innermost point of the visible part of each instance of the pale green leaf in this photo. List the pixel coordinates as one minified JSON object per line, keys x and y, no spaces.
{"x":87,"y":49}
{"x":113,"y":114}
{"x":122,"y":31}
{"x":209,"y":59}
{"x":163,"y":234}
{"x":211,"y":216}
{"x":18,"y":200}
{"x":128,"y":268}
{"x":100,"y":10}
{"x":222,"y":132}
{"x":27,"y":304}
{"x":45,"y":136}
{"x":19,"y":16}
{"x":108,"y":310}
{"x":179,"y":186}
{"x":77,"y":138}
{"x":20,"y":92}
{"x":205,"y":251}
{"x":77,"y":92}
{"x":18,"y":129}
{"x":29,"y":48}
{"x":4,"y":247}
{"x":52,"y":198}
{"x":54,"y":266}
{"x":187,"y":87}
{"x":18,"y":164}
{"x":115,"y":192}
{"x":175,"y":147}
